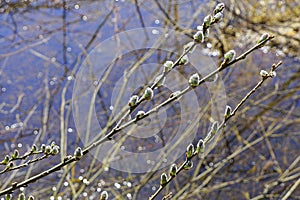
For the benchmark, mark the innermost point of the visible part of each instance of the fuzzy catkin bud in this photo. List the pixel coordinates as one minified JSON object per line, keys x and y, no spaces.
{"x":214,"y":127}
{"x":173,"y":170}
{"x":33,"y":148}
{"x":163,"y":179}
{"x":189,"y":151}
{"x":78,"y":153}
{"x":160,"y":80}
{"x":217,"y":17}
{"x":54,"y":150}
{"x":31,"y":197}
{"x":219,"y":8}
{"x":263,"y":73}
{"x":47,"y":150}
{"x":263,"y":37}
{"x":21,"y":196}
{"x":133,"y":100}
{"x":199,"y":37}
{"x":140,"y":114}
{"x":207,"y":20}
{"x":148,"y":94}
{"x":168,"y":65}
{"x":194,"y":80}
{"x":188,"y":165}
{"x":227,"y":111}
{"x":43,"y":147}
{"x":229,"y":56}
{"x":15,"y":154}
{"x":200,"y":146}
{"x":5,"y":160}
{"x":273,"y":74}
{"x":184,"y":60}
{"x":104,"y":195}
{"x":8,"y":197}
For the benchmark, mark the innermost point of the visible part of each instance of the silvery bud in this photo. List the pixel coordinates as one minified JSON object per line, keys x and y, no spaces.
{"x":273,"y":74}
{"x":194,"y":80}
{"x":229,"y":56}
{"x":33,"y":148}
{"x":218,"y":17}
{"x":188,"y":165}
{"x":199,"y":37}
{"x":31,"y":197}
{"x":168,"y":65}
{"x":148,"y":94}
{"x":184,"y":60}
{"x":160,"y":80}
{"x":15,"y":154}
{"x":200,"y":146}
{"x":21,"y":196}
{"x":133,"y":100}
{"x":189,"y":151}
{"x":163,"y":179}
{"x":263,"y":73}
{"x":227,"y":111}
{"x":104,"y":195}
{"x":173,"y":170}
{"x":140,"y":114}
{"x":219,"y":8}
{"x":207,"y":20}
{"x":55,"y":150}
{"x":263,"y":37}
{"x":78,"y":153}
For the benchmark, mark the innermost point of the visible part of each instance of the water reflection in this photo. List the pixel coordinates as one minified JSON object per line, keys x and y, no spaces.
{"x":44,"y":43}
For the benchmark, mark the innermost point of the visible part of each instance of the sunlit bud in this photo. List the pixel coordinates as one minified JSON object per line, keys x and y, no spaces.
{"x":189,"y":151}
{"x":194,"y":80}
{"x":10,"y":165}
{"x":31,"y":197}
{"x":168,"y":65}
{"x":273,"y":74}
{"x":8,"y":197}
{"x":214,"y":127}
{"x":263,"y":37}
{"x":199,"y":37}
{"x":207,"y":20}
{"x":5,"y":160}
{"x":47,"y":149}
{"x":173,"y":170}
{"x":200,"y":146}
{"x":133,"y":100}
{"x":263,"y":73}
{"x":218,"y":17}
{"x":229,"y":56}
{"x":227,"y":111}
{"x":15,"y":154}
{"x":43,"y":147}
{"x":140,"y":114}
{"x":219,"y":8}
{"x":55,"y":150}
{"x":188,"y":165}
{"x":33,"y":148}
{"x":53,"y":144}
{"x":78,"y":153}
{"x":104,"y":195}
{"x":163,"y":179}
{"x":160,"y":80}
{"x":184,"y":60}
{"x":21,"y":196}
{"x":148,"y":94}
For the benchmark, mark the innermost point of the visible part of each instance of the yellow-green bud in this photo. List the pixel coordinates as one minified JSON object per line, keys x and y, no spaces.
{"x":31,"y":197}
{"x":184,"y":60}
{"x":148,"y":94}
{"x":5,"y":160}
{"x":163,"y":179}
{"x":78,"y":153}
{"x":168,"y":65}
{"x":207,"y":20}
{"x":173,"y":170}
{"x":194,"y":80}
{"x":104,"y":195}
{"x":140,"y":114}
{"x":8,"y":197}
{"x":219,"y":8}
{"x":199,"y":37}
{"x":55,"y":150}
{"x":33,"y":148}
{"x":47,"y":150}
{"x":21,"y":196}
{"x":229,"y":56}
{"x":200,"y":146}
{"x":43,"y":147}
{"x":188,"y":165}
{"x":15,"y":154}
{"x":227,"y":111}
{"x":189,"y":151}
{"x":217,"y":17}
{"x":133,"y":100}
